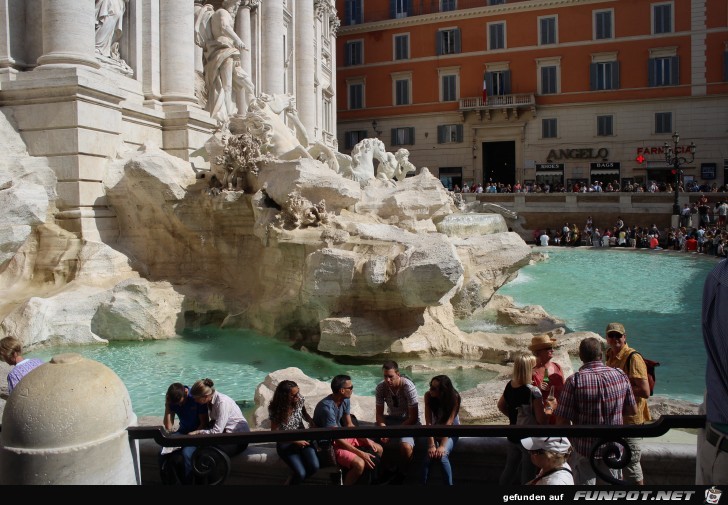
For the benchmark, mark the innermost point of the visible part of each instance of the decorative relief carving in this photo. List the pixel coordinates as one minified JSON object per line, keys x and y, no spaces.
{"x":299,"y":212}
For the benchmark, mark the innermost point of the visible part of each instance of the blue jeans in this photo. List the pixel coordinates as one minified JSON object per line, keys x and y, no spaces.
{"x":444,"y":462}
{"x":303,"y":461}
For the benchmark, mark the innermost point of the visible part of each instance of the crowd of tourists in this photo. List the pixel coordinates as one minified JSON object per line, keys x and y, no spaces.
{"x":538,"y":394}
{"x":700,"y":231}
{"x":585,"y":187}
{"x":361,"y":460}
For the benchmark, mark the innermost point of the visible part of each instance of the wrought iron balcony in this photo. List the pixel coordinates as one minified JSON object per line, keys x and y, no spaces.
{"x":511,"y":106}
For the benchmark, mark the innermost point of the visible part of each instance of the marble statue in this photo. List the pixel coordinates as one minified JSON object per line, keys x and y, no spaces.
{"x":299,"y":212}
{"x":241,"y":155}
{"x":360,"y":165}
{"x":109,"y":16}
{"x":396,"y":166}
{"x":264,"y":120}
{"x":229,"y":87}
{"x":109,"y":26}
{"x":404,"y":165}
{"x":285,"y":103}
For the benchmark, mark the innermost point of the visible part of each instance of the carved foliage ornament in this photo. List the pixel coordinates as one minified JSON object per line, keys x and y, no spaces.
{"x":299,"y":212}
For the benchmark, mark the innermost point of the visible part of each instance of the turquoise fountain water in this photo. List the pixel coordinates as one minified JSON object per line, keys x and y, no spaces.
{"x":657,"y":296}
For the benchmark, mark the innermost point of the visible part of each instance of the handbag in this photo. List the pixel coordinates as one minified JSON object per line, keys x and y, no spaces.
{"x":525,"y":412}
{"x":326,"y":453}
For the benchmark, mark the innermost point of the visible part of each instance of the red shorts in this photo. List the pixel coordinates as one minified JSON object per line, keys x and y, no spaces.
{"x":344,"y":457}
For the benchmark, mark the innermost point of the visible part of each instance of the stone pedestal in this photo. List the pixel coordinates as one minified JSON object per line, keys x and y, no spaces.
{"x":72,"y":115}
{"x":65,"y":423}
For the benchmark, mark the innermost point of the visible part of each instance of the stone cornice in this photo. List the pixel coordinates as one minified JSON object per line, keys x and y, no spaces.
{"x":491,"y":10}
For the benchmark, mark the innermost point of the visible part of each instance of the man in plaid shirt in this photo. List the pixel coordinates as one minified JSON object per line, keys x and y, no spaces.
{"x":596,"y":394}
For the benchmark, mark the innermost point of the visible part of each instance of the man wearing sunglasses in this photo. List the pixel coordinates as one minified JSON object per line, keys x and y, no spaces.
{"x":618,"y":356}
{"x":334,"y":411}
{"x":400,"y":396}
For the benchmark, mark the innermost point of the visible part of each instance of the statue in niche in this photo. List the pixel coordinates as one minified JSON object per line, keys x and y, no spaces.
{"x":109,"y":19}
{"x":229,"y":87}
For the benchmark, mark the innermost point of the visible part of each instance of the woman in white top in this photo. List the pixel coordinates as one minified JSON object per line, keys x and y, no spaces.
{"x":225,"y":417}
{"x":550,"y":455}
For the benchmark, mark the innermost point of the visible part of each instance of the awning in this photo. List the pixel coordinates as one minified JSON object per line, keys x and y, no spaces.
{"x":605,"y":172}
{"x":550,"y":172}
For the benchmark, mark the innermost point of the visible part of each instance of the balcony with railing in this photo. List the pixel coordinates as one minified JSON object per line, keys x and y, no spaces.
{"x":511,"y":106}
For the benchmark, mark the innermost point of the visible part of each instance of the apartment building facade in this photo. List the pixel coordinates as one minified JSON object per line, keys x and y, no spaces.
{"x":539,"y":91}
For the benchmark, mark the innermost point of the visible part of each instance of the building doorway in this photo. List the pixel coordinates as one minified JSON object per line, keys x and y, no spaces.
{"x":499,"y":162}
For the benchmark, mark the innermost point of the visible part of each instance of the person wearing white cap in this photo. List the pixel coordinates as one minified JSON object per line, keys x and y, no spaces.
{"x":550,"y":455}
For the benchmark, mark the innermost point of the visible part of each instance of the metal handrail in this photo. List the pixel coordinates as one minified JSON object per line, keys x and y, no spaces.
{"x":660,"y":427}
{"x":614,"y":457}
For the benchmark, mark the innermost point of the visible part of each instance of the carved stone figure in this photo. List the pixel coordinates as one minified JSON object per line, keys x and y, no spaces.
{"x":404,"y":165}
{"x":360,"y":165}
{"x":229,"y":87}
{"x":109,"y":15}
{"x":286,"y":104}
{"x":277,"y":139}
{"x":299,"y":212}
{"x":109,"y":26}
{"x":241,"y":155}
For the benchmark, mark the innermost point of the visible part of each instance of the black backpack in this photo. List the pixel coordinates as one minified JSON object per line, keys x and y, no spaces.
{"x":651,"y":365}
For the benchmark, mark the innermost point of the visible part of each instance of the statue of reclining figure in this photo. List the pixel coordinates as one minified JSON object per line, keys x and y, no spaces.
{"x":264,"y":120}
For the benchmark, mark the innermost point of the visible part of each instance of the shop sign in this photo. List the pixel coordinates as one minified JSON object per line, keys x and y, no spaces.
{"x":549,"y":166}
{"x":606,"y":165}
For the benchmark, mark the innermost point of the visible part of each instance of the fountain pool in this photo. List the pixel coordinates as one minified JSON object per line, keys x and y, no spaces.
{"x":657,"y":295}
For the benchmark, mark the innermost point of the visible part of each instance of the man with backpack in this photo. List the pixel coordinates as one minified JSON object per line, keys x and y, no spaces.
{"x":620,"y":355}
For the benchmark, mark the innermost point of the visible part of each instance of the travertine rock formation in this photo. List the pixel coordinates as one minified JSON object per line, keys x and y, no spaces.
{"x":344,"y":267}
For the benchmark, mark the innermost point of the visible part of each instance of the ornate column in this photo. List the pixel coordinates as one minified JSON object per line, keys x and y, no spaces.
{"x":177,"y":55}
{"x":150,"y":76}
{"x":273,"y":57}
{"x":305,"y":65}
{"x":12,"y":50}
{"x":334,"y":31}
{"x":69,"y":33}
{"x":243,"y":29}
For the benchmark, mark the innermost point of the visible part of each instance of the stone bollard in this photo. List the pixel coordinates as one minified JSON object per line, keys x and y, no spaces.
{"x":65,"y":423}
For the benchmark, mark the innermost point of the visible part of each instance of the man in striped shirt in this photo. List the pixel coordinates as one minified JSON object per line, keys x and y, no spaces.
{"x":595,"y":394}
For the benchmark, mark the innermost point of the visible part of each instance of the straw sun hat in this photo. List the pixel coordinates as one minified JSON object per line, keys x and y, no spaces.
{"x":541,"y":342}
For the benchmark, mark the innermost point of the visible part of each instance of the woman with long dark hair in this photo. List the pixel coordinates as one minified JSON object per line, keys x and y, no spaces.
{"x":287,"y":411}
{"x":442,"y":404}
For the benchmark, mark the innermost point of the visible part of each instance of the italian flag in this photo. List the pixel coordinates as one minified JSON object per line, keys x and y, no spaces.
{"x":485,"y":91}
